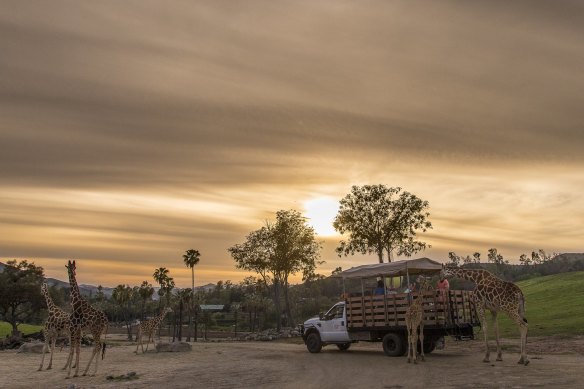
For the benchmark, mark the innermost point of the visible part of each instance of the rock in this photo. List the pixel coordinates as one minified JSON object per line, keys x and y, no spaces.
{"x":32,"y":347}
{"x":173,"y":347}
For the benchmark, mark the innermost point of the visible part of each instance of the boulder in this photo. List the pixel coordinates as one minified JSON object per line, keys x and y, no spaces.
{"x":32,"y":347}
{"x":173,"y":347}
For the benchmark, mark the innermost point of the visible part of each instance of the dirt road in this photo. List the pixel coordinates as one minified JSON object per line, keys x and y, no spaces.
{"x":557,"y":363}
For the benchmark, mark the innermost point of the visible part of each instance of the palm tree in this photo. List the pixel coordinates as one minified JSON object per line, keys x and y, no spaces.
{"x":123,"y":295}
{"x":145,"y":291}
{"x":160,"y":275}
{"x":191,"y":258}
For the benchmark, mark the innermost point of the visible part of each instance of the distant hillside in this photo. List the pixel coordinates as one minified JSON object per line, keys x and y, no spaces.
{"x":553,"y":306}
{"x":86,"y":290}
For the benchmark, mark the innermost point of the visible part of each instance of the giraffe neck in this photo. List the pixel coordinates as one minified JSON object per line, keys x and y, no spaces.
{"x":76,"y":299}
{"x":475,"y":276}
{"x":160,"y":317}
{"x":50,"y":304}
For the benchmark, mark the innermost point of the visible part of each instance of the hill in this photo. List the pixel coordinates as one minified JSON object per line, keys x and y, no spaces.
{"x":553,"y":306}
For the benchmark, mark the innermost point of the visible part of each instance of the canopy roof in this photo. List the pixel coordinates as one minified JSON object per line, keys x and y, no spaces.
{"x":398,"y":268}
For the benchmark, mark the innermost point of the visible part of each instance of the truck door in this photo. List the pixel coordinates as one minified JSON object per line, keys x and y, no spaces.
{"x":334,"y":325}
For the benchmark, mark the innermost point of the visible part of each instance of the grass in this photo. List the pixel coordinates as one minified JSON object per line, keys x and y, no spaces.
{"x":554,"y":306}
{"x":6,"y":329}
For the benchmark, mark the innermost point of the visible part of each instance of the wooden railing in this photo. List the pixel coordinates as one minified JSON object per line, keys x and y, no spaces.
{"x":389,"y":310}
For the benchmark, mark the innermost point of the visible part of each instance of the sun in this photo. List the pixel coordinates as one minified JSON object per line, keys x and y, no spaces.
{"x":321,"y":213}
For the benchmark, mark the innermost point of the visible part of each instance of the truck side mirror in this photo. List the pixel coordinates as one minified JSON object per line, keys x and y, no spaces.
{"x":321,"y":316}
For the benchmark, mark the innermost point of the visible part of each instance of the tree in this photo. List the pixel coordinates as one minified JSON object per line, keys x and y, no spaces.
{"x":160,"y":276}
{"x":454,"y":259}
{"x":146,"y":291}
{"x":477,"y":257}
{"x":278,"y":250}
{"x":524,"y":260}
{"x":123,"y":295}
{"x":191,"y":258}
{"x":381,"y":220}
{"x":20,"y":292}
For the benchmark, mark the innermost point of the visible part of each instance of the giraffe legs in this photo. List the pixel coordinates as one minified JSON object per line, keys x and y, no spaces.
{"x":496,"y":328}
{"x":410,"y":335}
{"x":523,"y":360}
{"x":53,"y":346}
{"x":75,"y":350}
{"x":139,"y":340}
{"x":484,"y":326}
{"x":44,"y":352}
{"x":94,"y":354}
{"x":149,"y":339}
{"x":414,"y":345}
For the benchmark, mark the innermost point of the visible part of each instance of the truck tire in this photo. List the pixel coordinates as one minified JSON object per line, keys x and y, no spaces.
{"x":429,"y":345}
{"x":344,"y":346}
{"x":313,"y":342}
{"x":393,"y":345}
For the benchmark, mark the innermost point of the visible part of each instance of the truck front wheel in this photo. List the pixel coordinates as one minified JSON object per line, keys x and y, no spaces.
{"x":313,"y":342}
{"x":393,"y":345}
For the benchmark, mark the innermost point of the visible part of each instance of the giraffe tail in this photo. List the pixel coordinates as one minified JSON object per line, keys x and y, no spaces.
{"x":103,"y":346}
{"x":522,"y":307}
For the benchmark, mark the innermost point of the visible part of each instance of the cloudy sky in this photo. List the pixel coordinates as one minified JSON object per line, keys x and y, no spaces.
{"x":131,"y":131}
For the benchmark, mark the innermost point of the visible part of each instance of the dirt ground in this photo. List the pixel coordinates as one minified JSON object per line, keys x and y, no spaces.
{"x":555,"y":362}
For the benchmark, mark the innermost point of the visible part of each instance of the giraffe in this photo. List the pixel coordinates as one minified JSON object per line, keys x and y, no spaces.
{"x":84,"y":318}
{"x":57,"y":323}
{"x":415,"y":320}
{"x":496,"y":295}
{"x":149,"y":327}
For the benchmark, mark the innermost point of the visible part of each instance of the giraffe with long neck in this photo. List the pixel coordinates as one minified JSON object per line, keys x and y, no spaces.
{"x":57,"y":324}
{"x":84,"y":318}
{"x":149,"y":327}
{"x":493,"y":294}
{"x":415,"y":321}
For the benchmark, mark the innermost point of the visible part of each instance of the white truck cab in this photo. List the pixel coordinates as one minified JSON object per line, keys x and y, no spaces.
{"x":330,"y":328}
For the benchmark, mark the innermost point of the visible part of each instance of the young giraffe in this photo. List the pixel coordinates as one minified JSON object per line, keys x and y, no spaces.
{"x":495,"y":295}
{"x":57,"y":324}
{"x":149,"y":327}
{"x":415,"y":320}
{"x":84,"y":318}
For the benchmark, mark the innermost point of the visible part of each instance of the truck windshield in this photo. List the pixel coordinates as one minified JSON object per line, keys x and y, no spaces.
{"x":335,"y":312}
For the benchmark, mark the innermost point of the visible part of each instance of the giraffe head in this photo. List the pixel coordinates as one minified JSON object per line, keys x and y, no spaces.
{"x":447,"y":271}
{"x":71,"y":268}
{"x":167,"y":310}
{"x":44,"y":288}
{"x":424,"y":283}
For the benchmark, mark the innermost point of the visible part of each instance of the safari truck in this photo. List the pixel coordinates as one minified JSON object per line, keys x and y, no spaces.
{"x":364,"y":315}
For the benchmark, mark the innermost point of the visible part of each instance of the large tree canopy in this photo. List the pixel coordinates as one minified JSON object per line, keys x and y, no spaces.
{"x":380,"y":219}
{"x":280,"y":249}
{"x":20,"y":292}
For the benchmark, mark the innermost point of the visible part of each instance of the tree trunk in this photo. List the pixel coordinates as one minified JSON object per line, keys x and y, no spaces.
{"x":289,"y":319}
{"x":192,"y":301}
{"x":196,"y":324}
{"x":180,"y":311}
{"x":277,"y":304}
{"x":380,"y":254}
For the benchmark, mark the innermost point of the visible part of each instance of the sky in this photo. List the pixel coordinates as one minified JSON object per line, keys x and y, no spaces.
{"x":133,"y":131}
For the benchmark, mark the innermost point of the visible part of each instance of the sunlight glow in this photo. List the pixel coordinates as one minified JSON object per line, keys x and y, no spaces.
{"x":321,"y":212}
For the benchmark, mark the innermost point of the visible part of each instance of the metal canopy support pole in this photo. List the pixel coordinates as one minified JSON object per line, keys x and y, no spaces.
{"x":363,"y":303}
